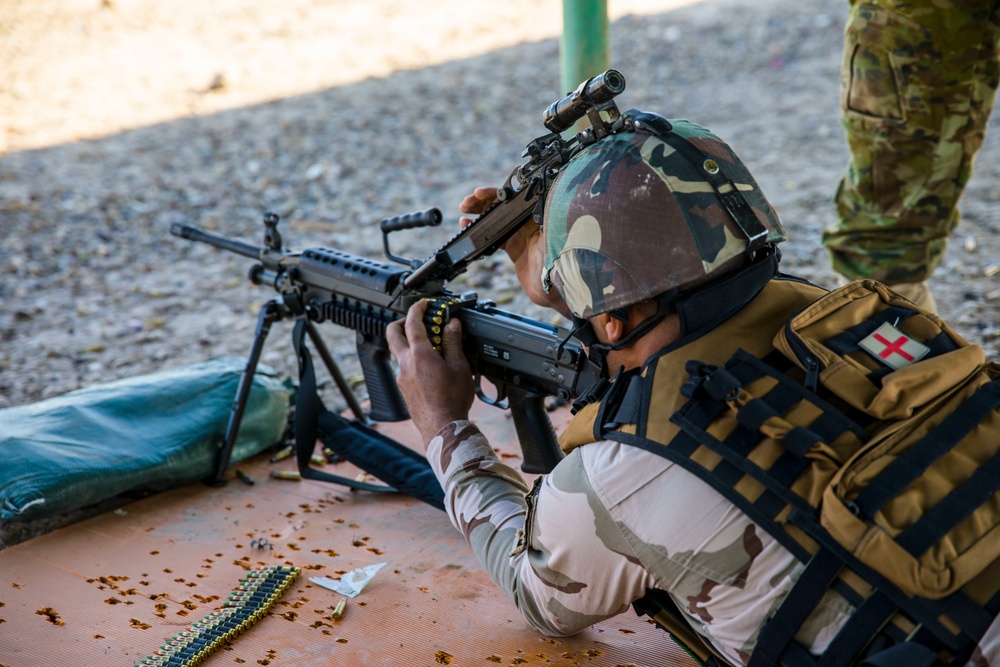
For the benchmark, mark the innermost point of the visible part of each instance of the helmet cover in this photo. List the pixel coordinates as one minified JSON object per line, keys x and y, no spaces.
{"x":630,"y":217}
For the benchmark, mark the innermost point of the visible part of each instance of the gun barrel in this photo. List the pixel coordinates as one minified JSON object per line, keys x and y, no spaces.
{"x":200,"y":235}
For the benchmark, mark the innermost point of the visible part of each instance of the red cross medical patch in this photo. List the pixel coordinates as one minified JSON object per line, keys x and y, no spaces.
{"x":893,"y":348}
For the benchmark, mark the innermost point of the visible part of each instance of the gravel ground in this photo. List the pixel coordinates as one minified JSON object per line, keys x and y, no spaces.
{"x":118,"y":118}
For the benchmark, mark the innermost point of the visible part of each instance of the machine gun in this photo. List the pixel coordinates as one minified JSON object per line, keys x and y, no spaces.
{"x":526,"y":360}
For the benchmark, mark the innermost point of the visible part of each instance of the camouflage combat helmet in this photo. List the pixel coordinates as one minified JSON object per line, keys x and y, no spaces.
{"x":638,"y":214}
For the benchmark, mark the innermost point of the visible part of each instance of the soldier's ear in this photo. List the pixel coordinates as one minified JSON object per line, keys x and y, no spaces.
{"x":613,"y":327}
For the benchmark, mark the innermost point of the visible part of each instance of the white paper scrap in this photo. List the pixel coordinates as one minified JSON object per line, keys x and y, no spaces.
{"x":351,"y":583}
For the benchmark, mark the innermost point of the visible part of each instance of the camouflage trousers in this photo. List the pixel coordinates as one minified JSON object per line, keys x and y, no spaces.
{"x":918,"y":83}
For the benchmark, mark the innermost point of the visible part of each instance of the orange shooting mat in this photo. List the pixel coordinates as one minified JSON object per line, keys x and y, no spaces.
{"x":113,"y":589}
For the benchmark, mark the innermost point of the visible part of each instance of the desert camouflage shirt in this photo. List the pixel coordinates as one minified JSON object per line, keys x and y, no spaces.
{"x":651,"y":524}
{"x":609,"y":522}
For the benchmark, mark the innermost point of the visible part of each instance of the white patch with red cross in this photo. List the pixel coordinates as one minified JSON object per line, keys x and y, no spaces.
{"x":893,"y":347}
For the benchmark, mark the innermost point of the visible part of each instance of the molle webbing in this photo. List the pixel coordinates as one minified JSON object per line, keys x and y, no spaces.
{"x":974,"y":492}
{"x":881,"y":481}
{"x":722,"y":440}
{"x":782,"y":467}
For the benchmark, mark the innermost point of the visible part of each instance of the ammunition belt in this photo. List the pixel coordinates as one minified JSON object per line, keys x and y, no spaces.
{"x":248,"y":603}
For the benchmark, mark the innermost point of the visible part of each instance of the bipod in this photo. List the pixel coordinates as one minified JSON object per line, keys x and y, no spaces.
{"x":273,"y":311}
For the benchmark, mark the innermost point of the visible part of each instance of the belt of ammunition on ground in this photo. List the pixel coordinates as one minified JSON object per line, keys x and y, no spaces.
{"x":248,"y":603}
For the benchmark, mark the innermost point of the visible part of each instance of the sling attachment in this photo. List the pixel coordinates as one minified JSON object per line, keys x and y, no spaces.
{"x":621,"y":403}
{"x":593,"y":395}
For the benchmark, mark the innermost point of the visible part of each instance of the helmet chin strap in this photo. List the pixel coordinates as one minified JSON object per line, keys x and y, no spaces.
{"x":597,"y":351}
{"x":700,"y":309}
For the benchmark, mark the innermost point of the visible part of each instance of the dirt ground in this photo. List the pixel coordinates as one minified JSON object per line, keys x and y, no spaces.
{"x":120,"y":117}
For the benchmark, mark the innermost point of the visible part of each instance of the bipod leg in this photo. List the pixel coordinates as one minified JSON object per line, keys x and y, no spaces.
{"x":270,"y":313}
{"x":338,"y":377}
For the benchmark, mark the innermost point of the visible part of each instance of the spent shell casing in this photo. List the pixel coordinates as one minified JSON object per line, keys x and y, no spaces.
{"x":285,"y":474}
{"x":338,"y":611}
{"x":282,"y":454}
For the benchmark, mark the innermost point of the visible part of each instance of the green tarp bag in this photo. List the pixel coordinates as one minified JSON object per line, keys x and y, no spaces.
{"x":145,"y":433}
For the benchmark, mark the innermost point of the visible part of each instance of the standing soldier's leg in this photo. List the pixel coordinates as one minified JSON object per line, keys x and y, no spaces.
{"x":918,"y":83}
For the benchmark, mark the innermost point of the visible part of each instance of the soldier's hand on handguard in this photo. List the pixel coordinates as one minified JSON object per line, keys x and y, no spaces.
{"x":474,"y":204}
{"x":438,"y":387}
{"x":526,"y":249}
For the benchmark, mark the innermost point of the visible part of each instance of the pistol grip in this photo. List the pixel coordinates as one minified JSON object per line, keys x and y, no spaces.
{"x":539,"y":445}
{"x":387,"y":404}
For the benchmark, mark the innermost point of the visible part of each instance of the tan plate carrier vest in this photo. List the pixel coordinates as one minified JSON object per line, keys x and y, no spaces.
{"x":878,"y":468}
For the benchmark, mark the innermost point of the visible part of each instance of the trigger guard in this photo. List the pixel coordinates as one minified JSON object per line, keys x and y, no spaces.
{"x":495,"y":402}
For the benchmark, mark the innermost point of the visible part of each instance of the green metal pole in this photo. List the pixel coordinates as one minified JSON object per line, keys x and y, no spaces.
{"x":584,"y":48}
